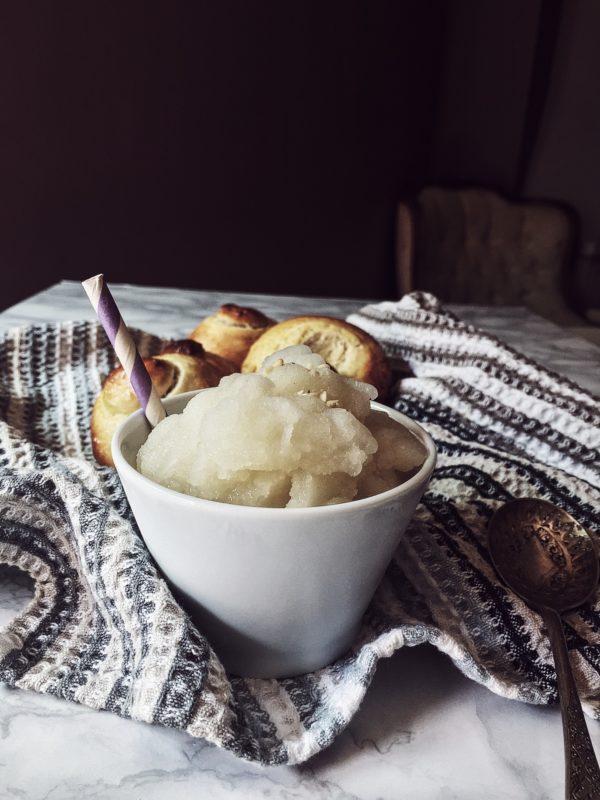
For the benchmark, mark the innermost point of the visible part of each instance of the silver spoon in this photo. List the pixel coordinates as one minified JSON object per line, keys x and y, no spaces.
{"x":548,"y":559}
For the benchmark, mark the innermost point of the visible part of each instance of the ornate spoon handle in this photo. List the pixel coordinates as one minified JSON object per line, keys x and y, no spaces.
{"x":582,"y":771}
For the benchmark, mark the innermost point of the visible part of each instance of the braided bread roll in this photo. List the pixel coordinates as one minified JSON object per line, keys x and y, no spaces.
{"x":181,"y":367}
{"x":231,"y":331}
{"x":349,"y":350}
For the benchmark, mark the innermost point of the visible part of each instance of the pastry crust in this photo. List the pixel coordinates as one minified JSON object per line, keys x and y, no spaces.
{"x":231,"y":331}
{"x":181,"y":367}
{"x":348,"y":349}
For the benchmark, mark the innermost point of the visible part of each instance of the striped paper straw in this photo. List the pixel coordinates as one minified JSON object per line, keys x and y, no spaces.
{"x":127,"y":353}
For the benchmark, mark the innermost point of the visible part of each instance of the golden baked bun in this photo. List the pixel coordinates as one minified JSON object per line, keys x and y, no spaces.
{"x":231,"y":331}
{"x":181,"y":367}
{"x":348,"y":349}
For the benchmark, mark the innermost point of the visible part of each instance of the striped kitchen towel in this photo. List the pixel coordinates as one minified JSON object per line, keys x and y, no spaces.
{"x":104,"y":630}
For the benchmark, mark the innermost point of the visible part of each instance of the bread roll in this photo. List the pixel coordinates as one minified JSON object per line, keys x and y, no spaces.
{"x":231,"y":331}
{"x":181,"y":367}
{"x":348,"y":349}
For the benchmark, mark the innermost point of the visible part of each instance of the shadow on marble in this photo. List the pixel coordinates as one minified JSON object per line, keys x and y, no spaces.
{"x":407,"y":690}
{"x":16,"y":590}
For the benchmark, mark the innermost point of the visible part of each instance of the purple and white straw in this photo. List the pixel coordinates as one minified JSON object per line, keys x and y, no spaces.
{"x":120,"y":338}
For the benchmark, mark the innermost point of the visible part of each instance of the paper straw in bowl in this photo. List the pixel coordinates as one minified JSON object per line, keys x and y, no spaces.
{"x":127,"y":353}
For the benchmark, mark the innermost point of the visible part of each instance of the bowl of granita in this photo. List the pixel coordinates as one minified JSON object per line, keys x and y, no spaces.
{"x":273,"y":504}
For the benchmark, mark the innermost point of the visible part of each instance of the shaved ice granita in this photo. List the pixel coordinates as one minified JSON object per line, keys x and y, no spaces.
{"x":294,"y":434}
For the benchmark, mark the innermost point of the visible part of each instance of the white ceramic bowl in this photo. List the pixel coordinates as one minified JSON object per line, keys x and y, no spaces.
{"x":277,"y":591}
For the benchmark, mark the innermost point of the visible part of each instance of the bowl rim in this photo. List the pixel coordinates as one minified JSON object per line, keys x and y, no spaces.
{"x":421,"y":477}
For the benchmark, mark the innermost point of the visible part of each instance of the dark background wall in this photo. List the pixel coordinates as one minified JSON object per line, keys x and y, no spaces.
{"x":566,"y":160}
{"x":486,"y":78}
{"x":226,"y":145}
{"x":263,"y":146}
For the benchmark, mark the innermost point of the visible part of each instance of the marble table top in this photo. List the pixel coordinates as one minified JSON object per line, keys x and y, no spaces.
{"x":423,"y":731}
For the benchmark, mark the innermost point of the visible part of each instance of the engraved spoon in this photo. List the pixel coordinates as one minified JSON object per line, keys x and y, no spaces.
{"x":548,"y":559}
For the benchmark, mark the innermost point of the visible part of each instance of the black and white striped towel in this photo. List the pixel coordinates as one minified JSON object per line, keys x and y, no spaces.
{"x":104,"y":630}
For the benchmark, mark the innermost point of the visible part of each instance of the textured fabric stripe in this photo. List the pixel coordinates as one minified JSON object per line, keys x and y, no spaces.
{"x":434,"y":339}
{"x":503,"y":426}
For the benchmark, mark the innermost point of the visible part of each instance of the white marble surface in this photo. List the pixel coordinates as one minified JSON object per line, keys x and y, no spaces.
{"x":423,"y":731}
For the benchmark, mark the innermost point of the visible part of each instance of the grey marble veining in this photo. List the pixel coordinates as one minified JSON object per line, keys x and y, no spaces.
{"x":423,"y":732}
{"x":164,"y":311}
